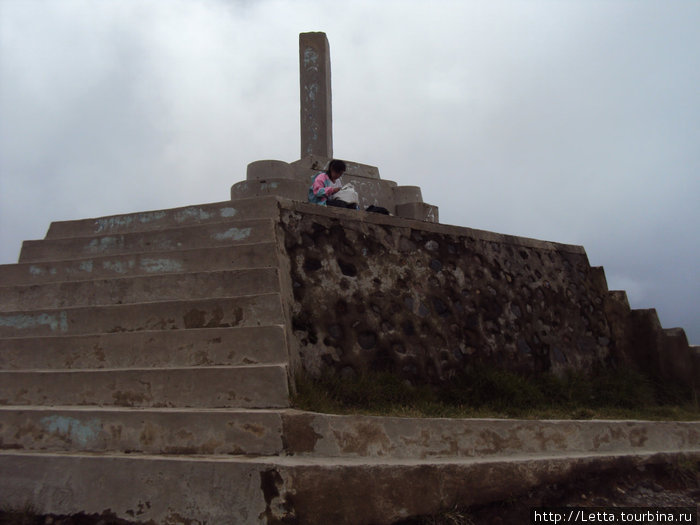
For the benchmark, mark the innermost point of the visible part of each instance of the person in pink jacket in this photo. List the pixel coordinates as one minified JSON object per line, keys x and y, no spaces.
{"x":322,"y":186}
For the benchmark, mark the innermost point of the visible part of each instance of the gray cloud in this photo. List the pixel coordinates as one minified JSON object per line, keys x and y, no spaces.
{"x":573,"y":122}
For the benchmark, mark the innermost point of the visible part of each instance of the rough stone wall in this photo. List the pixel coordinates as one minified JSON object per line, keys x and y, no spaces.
{"x":423,"y":300}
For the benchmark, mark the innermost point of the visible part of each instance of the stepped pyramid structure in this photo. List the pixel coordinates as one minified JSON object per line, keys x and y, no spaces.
{"x":147,"y":359}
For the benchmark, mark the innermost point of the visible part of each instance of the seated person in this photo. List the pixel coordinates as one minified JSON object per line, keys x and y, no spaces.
{"x":324,"y":186}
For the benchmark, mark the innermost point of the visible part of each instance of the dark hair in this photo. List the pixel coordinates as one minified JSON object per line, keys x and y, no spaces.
{"x":336,"y":165}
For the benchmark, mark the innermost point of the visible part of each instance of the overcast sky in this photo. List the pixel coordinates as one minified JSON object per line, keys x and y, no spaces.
{"x":568,"y":121}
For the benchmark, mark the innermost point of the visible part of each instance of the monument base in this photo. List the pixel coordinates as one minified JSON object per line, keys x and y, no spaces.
{"x":292,"y":181}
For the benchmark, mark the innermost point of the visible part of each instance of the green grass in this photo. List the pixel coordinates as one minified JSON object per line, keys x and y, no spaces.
{"x":488,"y":392}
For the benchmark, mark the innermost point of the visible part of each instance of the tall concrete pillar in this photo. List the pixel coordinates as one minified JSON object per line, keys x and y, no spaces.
{"x":315,"y":93}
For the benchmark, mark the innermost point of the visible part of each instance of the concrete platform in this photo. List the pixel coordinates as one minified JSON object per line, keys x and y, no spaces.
{"x":127,"y":290}
{"x":144,"y":349}
{"x":257,"y":255}
{"x":261,"y":386}
{"x":204,"y":236}
{"x":252,"y":310}
{"x":245,"y":490}
{"x":165,"y":219}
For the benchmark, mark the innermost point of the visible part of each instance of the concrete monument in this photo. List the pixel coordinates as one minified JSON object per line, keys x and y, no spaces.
{"x":292,"y":180}
{"x":315,"y":95}
{"x":147,"y":359}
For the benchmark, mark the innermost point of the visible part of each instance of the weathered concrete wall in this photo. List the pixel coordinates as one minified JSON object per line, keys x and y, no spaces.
{"x":422,"y":300}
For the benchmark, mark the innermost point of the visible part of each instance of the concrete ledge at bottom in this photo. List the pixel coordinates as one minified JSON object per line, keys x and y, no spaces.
{"x":329,"y":435}
{"x":280,"y":187}
{"x":419,"y":211}
{"x":238,"y":490}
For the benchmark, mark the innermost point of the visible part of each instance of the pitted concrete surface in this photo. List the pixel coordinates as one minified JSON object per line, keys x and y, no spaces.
{"x":422,"y":302}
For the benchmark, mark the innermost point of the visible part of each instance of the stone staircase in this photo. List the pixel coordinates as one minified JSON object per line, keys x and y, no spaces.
{"x":144,"y":373}
{"x":147,"y":333}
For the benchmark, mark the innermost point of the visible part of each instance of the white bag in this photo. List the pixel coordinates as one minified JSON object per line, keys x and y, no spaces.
{"x":347,"y":194}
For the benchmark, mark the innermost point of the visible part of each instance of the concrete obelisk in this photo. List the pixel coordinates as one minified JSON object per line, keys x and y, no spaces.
{"x":315,"y":93}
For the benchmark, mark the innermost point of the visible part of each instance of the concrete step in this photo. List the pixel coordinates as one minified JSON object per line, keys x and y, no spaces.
{"x":263,"y":208}
{"x":396,"y":437}
{"x":145,"y":431}
{"x":204,"y":236}
{"x":239,"y":490}
{"x":126,"y":290}
{"x":146,"y":349}
{"x":254,"y":386}
{"x":288,"y":432}
{"x":252,"y":310}
{"x":256,"y":255}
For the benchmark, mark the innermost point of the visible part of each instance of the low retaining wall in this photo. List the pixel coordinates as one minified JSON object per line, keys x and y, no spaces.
{"x":422,"y":300}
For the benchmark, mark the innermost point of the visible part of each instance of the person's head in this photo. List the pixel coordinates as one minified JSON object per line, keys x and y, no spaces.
{"x":336,"y":168}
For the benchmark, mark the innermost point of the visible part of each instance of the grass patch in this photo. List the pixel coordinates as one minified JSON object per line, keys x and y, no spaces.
{"x":487,"y":392}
